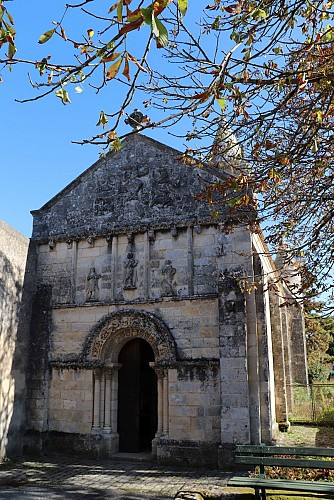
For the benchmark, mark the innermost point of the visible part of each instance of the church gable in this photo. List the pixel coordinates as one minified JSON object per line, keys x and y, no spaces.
{"x":142,"y":185}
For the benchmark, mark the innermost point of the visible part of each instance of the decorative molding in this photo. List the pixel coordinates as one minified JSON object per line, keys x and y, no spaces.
{"x":114,"y":330}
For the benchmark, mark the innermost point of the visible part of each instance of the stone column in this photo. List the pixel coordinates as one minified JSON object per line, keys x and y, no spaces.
{"x":165,"y":406}
{"x":298,"y":345}
{"x":190,"y":270}
{"x":235,"y":408}
{"x":102,"y":383}
{"x":74,"y":269}
{"x":97,"y":394}
{"x":107,"y":402}
{"x":279,"y":360}
{"x":253,"y":369}
{"x":162,"y":386}
{"x":114,"y":396}
{"x":114,"y":268}
{"x":287,"y":358}
{"x":160,"y":406}
{"x":146,"y":278}
{"x":266,"y":371}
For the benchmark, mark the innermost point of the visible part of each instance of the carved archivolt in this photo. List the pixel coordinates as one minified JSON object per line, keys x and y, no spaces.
{"x":113,"y":331}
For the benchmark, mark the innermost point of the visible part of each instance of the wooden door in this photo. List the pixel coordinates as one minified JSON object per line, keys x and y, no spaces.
{"x":137,"y":397}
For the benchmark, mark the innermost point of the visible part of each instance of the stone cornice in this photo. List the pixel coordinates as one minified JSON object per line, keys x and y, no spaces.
{"x":208,"y":296}
{"x":230,"y":219}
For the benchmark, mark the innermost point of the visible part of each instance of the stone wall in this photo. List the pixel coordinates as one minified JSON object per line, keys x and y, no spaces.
{"x":13,"y":254}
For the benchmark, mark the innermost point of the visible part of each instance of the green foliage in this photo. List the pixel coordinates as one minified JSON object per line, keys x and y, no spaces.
{"x":319,"y":332}
{"x":317,"y":372}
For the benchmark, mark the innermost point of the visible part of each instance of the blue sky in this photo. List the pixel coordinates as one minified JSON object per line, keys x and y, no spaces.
{"x":37,"y":156}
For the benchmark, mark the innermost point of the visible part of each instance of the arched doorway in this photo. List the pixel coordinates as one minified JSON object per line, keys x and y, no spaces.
{"x":137,"y":397}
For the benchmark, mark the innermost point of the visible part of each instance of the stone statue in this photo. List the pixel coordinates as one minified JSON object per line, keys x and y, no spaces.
{"x":130,"y":273}
{"x":92,"y":284}
{"x":168,"y":288}
{"x":136,"y":120}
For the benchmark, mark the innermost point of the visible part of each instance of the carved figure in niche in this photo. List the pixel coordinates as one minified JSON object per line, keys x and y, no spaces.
{"x":92,"y":284}
{"x":168,"y":287}
{"x":130,"y":273}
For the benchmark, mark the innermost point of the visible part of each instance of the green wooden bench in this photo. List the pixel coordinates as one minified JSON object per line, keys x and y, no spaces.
{"x":261,"y":455}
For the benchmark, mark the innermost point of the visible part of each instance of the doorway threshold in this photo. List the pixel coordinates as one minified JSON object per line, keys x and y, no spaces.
{"x":142,"y":456}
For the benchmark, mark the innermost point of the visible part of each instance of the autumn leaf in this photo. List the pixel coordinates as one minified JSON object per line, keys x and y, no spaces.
{"x":160,"y":32}
{"x":131,"y":26}
{"x":259,"y":14}
{"x":126,"y":70}
{"x":134,"y":60}
{"x":11,"y":50}
{"x":221,"y":102}
{"x":119,"y":12}
{"x":63,"y":95}
{"x":103,"y":120}
{"x":114,"y":6}
{"x":113,"y":69}
{"x":134,"y":16}
{"x":147,"y":15}
{"x":116,"y":145}
{"x":203,"y":96}
{"x":183,"y":5}
{"x":46,"y":36}
{"x":111,"y":57}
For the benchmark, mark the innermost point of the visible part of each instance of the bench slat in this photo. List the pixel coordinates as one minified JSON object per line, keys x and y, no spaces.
{"x":282,"y":484}
{"x":285,"y":450}
{"x":300,"y":463}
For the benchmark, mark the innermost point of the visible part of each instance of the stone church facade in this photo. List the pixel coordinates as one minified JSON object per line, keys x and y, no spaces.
{"x":153,"y":326}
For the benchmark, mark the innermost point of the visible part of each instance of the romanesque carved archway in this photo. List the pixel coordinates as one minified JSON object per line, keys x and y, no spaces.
{"x":108,"y":337}
{"x":104,"y":344}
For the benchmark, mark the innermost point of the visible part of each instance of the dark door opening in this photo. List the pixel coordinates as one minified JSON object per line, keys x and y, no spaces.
{"x":137,"y":397}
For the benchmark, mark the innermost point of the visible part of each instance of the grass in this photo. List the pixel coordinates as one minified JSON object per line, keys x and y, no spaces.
{"x":301,"y":435}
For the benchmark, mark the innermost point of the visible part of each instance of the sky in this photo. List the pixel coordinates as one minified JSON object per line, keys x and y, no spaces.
{"x":38,"y":158}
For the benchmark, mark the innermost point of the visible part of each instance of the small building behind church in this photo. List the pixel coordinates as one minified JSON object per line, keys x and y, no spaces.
{"x":154,"y":327}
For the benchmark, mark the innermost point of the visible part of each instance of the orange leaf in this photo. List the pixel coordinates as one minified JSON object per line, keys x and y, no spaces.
{"x":131,"y":26}
{"x":204,"y":96}
{"x":134,"y":60}
{"x":114,"y":7}
{"x":111,"y":57}
{"x":126,"y":70}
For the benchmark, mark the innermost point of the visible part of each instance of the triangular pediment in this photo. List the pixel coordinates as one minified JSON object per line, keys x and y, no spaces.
{"x":142,"y":185}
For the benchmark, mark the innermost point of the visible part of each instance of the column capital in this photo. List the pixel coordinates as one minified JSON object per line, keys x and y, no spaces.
{"x":113,"y":366}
